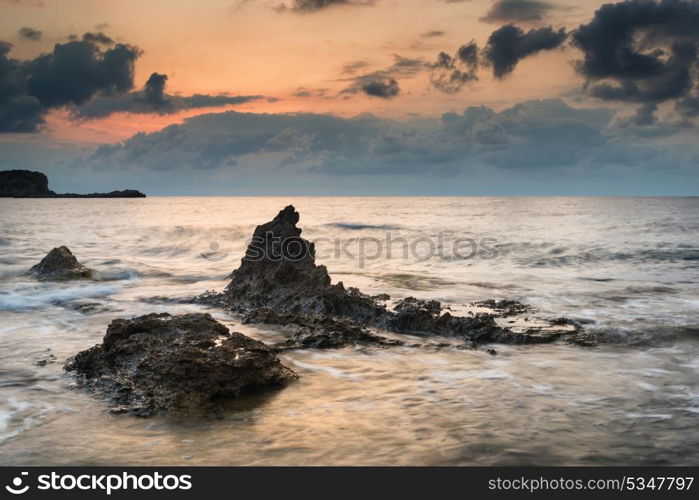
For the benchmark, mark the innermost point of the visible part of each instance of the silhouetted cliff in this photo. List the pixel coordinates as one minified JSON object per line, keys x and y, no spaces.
{"x":24,"y":184}
{"x":28,"y":184}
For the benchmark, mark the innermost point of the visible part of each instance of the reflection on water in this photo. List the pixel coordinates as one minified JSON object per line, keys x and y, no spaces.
{"x":629,"y":265}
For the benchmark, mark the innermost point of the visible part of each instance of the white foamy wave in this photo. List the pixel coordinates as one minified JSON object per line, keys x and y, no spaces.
{"x":17,"y":417}
{"x":655,"y":416}
{"x":24,"y":298}
{"x":117,"y":275}
{"x":449,"y":376}
{"x":333,"y":372}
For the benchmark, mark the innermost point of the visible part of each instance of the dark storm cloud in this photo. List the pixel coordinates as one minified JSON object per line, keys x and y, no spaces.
{"x":510,"y":44}
{"x":307,"y":6}
{"x":384,"y":83}
{"x":645,"y":115}
{"x":530,"y":135}
{"x":154,"y":90}
{"x":688,"y":106}
{"x":153,"y":99}
{"x":384,"y":88}
{"x":450,"y":73}
{"x":509,"y":11}
{"x":70,"y":75}
{"x":505,"y":48}
{"x":76,"y":71}
{"x":641,"y":51}
{"x":98,"y":37}
{"x":31,"y":34}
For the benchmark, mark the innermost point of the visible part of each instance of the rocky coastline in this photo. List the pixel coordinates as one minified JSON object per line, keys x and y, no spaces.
{"x":187,"y":364}
{"x":276,"y":287}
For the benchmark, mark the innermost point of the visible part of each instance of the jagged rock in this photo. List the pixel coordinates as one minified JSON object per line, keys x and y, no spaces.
{"x":177,"y":364}
{"x":60,"y":265}
{"x":278,"y":282}
{"x":279,"y":272}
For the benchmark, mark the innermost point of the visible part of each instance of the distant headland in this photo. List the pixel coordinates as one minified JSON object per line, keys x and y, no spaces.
{"x":28,"y":184}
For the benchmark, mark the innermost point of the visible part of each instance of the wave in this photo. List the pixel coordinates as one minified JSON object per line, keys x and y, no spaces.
{"x":646,"y":337}
{"x":117,"y":275}
{"x":17,"y":417}
{"x":23,"y":298}
{"x":531,"y":255}
{"x":355,"y":226}
{"x":333,"y":372}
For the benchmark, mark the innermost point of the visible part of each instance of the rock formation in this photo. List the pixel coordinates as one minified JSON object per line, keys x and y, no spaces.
{"x":28,"y":184}
{"x":176,"y":364}
{"x":23,"y":184}
{"x":60,"y":265}
{"x":124,"y":193}
{"x":278,"y":282}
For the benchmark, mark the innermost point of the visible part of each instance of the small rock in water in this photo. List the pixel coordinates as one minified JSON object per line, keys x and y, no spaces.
{"x":45,"y":361}
{"x":176,"y":364}
{"x":60,"y":265}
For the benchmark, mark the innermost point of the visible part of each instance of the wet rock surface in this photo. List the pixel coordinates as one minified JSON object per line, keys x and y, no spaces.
{"x":278,"y":282}
{"x":504,"y":307}
{"x":306,"y":331}
{"x":60,"y":265}
{"x":417,"y":316}
{"x":183,"y":364}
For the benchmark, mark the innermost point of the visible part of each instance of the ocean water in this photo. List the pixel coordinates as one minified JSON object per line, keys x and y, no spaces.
{"x":628,"y":267}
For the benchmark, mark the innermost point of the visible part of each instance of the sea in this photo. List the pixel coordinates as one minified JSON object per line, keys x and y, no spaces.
{"x":628,"y":268}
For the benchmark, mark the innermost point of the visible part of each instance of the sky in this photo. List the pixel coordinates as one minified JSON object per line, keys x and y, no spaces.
{"x":353,"y":97}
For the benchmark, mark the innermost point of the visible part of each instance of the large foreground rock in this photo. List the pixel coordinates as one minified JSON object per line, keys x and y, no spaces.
{"x":278,"y":282}
{"x":176,"y":364}
{"x":60,"y":265}
{"x":279,"y":272}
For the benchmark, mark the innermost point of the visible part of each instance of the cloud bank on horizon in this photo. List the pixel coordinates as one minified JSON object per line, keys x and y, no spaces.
{"x":634,"y":108}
